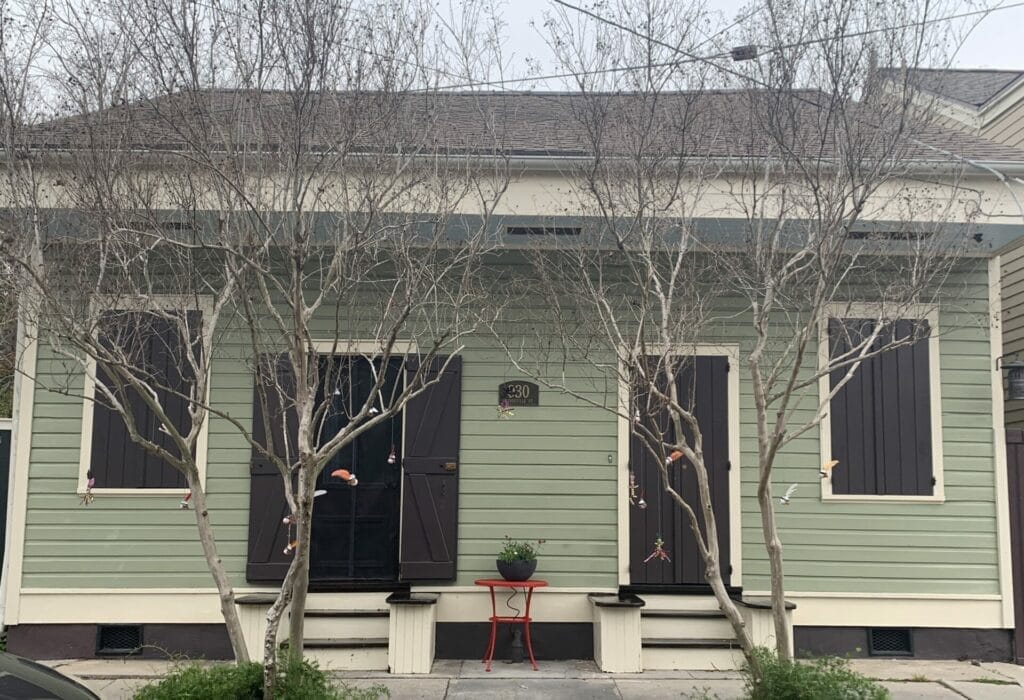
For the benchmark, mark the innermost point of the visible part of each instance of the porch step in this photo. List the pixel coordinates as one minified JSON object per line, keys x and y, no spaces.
{"x":690,"y":658}
{"x":369,"y":654}
{"x":686,"y":603}
{"x":693,"y":624}
{"x":354,"y":624}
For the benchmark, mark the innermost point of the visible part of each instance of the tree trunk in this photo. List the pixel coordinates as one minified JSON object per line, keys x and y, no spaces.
{"x":300,"y":584}
{"x":732,"y":613}
{"x":225,"y":592}
{"x":284,"y":597}
{"x":773,"y":545}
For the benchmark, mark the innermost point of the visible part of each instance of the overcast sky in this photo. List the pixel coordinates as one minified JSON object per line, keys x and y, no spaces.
{"x":996,"y":42}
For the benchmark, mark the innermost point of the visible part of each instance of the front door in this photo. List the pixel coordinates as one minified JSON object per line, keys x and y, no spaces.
{"x":355,"y":529}
{"x":705,"y":379}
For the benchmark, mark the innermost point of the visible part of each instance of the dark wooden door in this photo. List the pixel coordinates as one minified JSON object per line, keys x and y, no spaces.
{"x":355,"y":529}
{"x":703,"y":380}
{"x":1015,"y":467}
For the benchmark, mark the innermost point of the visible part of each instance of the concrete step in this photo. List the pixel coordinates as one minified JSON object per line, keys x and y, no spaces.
{"x":667,"y":624}
{"x":690,"y":655}
{"x":346,"y":624}
{"x":364,"y":600}
{"x":349,"y":654}
{"x":679,"y":602}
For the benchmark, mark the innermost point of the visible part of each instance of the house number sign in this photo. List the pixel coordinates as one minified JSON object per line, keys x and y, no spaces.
{"x":519,"y":394}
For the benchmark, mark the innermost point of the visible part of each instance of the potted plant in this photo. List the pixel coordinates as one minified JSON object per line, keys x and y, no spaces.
{"x":517,"y":560}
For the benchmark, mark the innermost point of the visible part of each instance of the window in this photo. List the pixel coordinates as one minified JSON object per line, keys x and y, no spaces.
{"x":150,"y":343}
{"x":883,"y":425}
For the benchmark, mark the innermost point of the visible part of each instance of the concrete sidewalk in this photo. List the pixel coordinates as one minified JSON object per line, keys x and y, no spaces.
{"x":581,"y":680}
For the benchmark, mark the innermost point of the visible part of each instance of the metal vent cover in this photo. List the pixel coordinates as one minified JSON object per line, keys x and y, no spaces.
{"x":119,"y":640}
{"x":890,"y":641}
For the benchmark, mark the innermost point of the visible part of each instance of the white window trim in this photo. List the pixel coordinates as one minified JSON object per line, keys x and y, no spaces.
{"x":870,"y":310}
{"x":167,"y":302}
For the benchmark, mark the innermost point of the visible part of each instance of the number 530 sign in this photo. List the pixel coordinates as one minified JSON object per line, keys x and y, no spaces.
{"x":519,"y":394}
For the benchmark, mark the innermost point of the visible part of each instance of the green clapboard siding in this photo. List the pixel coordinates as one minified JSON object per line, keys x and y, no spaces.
{"x":549,"y":473}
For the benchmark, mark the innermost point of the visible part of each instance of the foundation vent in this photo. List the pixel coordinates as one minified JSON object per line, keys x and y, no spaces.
{"x":119,"y":640}
{"x":890,"y":641}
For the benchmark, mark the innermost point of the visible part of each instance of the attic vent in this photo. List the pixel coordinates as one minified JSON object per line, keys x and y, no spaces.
{"x":888,"y":235}
{"x":890,"y":641}
{"x":119,"y":640}
{"x":542,"y":230}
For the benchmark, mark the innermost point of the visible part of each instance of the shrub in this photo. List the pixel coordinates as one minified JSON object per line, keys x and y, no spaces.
{"x":826,"y":677}
{"x":197,"y":682}
{"x":297,"y":681}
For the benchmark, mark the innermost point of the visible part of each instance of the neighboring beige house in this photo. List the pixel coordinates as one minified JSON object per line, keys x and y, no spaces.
{"x":989,"y":104}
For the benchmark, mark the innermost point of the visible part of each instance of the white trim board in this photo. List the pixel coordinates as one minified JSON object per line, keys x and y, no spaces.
{"x":869,"y":310}
{"x":1005,"y":554}
{"x":17,"y":503}
{"x":732,"y":353}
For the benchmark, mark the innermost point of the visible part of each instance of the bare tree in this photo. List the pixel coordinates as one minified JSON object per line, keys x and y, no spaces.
{"x":290,"y":169}
{"x":802,"y":154}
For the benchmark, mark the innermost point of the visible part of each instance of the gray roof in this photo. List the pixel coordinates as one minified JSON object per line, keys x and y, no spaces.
{"x":718,"y":124}
{"x":973,"y":87}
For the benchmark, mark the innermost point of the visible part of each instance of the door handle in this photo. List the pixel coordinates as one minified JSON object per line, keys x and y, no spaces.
{"x":449,"y":466}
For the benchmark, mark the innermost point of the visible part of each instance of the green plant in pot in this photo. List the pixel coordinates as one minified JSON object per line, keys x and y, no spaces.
{"x":517,"y":560}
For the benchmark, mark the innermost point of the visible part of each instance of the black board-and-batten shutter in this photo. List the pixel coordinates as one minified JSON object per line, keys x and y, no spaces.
{"x":430,"y":498}
{"x":881,"y":419}
{"x":268,"y":534}
{"x":153,"y":344}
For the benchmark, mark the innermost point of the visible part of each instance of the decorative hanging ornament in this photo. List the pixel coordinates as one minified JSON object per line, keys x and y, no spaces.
{"x":785,"y":498}
{"x":632,"y":487}
{"x":659,"y":551}
{"x":636,"y":416}
{"x":336,"y":392}
{"x":374,"y":410}
{"x":184,"y":503}
{"x":673,"y":456}
{"x":88,"y":497}
{"x":505,"y":410}
{"x":291,"y":546}
{"x":392,"y":456}
{"x":827,"y":467}
{"x":642,"y":504}
{"x":346,"y":475}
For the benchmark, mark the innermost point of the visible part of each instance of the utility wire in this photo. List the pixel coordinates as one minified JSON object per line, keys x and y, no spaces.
{"x":691,"y":57}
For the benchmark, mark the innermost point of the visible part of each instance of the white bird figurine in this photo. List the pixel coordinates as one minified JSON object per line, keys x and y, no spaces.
{"x":784,"y":499}
{"x":827,"y":467}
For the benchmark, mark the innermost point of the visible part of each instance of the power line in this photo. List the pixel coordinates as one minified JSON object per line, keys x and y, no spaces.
{"x":692,"y":57}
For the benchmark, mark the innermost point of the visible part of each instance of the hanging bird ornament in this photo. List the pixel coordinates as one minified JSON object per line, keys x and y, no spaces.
{"x":785,"y":498}
{"x":673,"y":456}
{"x":827,"y":467}
{"x":346,"y":475}
{"x":636,"y":495}
{"x":659,"y":551}
{"x":392,"y":456}
{"x":88,"y":497}
{"x":184,"y":503}
{"x":505,"y":410}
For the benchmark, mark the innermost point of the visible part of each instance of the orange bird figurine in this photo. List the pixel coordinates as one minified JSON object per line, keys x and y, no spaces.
{"x":673,"y":456}
{"x":346,"y":475}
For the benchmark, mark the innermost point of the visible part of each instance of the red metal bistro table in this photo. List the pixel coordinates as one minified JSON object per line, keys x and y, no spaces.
{"x":523,"y":620}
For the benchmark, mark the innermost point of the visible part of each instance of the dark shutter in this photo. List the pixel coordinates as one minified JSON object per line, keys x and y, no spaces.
{"x":268,"y":534}
{"x":881,"y":419}
{"x":430,"y":499}
{"x":153,"y":345}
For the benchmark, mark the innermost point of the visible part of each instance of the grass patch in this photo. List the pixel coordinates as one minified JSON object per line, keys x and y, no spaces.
{"x":297,"y":681}
{"x":827,"y":677}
